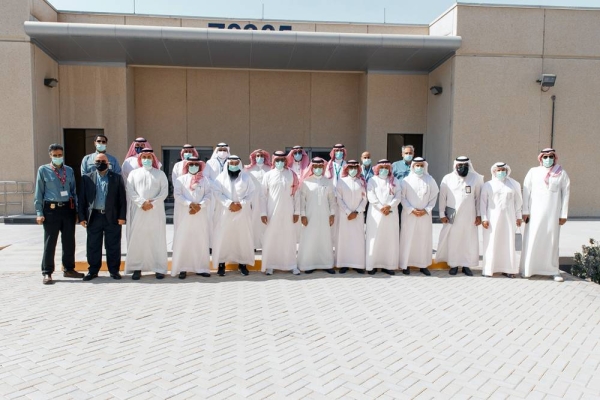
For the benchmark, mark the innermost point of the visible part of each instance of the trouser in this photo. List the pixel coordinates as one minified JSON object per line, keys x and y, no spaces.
{"x":100,"y":228}
{"x":58,"y":220}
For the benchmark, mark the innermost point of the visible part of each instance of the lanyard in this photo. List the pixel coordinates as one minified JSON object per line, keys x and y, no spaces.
{"x":62,"y":178}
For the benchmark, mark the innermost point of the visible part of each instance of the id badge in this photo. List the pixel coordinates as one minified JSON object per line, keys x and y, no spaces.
{"x":468,"y":189}
{"x":64,"y":193}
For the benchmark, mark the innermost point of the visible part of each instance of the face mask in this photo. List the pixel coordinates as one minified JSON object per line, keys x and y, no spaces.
{"x":222,"y":154}
{"x":462,"y":170}
{"x":548,"y":162}
{"x":419,"y":170}
{"x":260,"y":160}
{"x":101,"y":147}
{"x":57,"y":161}
{"x":318,"y":171}
{"x":352,"y":172}
{"x":101,"y":166}
{"x":408,"y":158}
{"x":186,"y":155}
{"x":367,"y":162}
{"x":297,"y":156}
{"x":193,"y":169}
{"x":383,"y":173}
{"x":147,"y":163}
{"x":339,"y":155}
{"x":279,"y":165}
{"x":138,"y":150}
{"x":234,"y":168}
{"x":501,"y":175}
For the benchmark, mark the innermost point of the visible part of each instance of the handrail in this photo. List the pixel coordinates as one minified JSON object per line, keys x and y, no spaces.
{"x":18,"y":188}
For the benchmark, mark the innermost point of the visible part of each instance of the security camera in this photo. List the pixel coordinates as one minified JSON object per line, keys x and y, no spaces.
{"x":547,"y":80}
{"x":435,"y":90}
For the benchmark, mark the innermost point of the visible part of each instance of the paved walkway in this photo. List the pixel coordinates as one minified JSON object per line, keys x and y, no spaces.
{"x":312,"y":336}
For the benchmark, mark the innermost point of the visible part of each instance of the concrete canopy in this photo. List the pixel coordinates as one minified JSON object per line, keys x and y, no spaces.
{"x":218,"y":48}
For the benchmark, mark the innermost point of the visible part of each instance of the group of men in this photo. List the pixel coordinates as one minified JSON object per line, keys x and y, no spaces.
{"x":305,"y":214}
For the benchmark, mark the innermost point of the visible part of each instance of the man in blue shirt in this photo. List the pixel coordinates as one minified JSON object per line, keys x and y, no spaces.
{"x":401,"y":169}
{"x":88,"y":164}
{"x":56,"y":208}
{"x":102,"y":210}
{"x":367,"y":169}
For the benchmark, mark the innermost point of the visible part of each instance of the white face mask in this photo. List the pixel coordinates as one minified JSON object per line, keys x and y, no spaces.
{"x":548,"y":162}
{"x":419,"y":170}
{"x":260,"y":160}
{"x":279,"y":165}
{"x":222,"y":154}
{"x":193,"y":169}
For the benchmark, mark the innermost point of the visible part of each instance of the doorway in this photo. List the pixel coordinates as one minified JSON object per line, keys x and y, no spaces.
{"x":78,"y":143}
{"x":395,"y":141}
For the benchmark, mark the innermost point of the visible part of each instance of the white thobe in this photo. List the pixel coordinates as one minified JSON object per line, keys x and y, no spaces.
{"x":382,"y":230}
{"x":317,"y":204}
{"x":416,"y":247}
{"x":212,"y":169}
{"x":350,"y":245}
{"x":297,"y":168}
{"x":177,"y":172}
{"x":129,"y":165}
{"x":501,"y":204}
{"x":258,"y":228}
{"x":545,"y":205}
{"x":279,"y":240}
{"x":190,"y":237}
{"x":233,"y":240}
{"x":458,"y":245}
{"x":147,"y":246}
{"x":336,"y":174}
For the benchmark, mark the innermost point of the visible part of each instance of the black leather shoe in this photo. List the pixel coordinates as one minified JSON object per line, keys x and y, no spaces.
{"x":136,"y":275}
{"x":343,"y":270}
{"x":90,"y":276}
{"x":359,"y":271}
{"x":453,"y":271}
{"x":72,"y":274}
{"x":467,"y":271}
{"x":406,"y":271}
{"x":221,"y":270}
{"x":243,"y":269}
{"x":182,"y":275}
{"x":372,"y":272}
{"x":204,"y":274}
{"x":116,"y":276}
{"x":330,"y":271}
{"x":159,"y":275}
{"x":309,"y":271}
{"x":511,"y":276}
{"x":388,"y":271}
{"x":425,"y":271}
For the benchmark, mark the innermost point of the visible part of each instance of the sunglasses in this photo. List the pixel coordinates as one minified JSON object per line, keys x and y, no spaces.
{"x":298,"y":152}
{"x":193,"y":165}
{"x":547,"y":157}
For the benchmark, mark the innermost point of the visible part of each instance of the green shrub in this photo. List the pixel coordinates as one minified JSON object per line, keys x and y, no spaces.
{"x":587,"y":265}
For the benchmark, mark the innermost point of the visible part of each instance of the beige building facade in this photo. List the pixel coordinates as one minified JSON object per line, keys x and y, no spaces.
{"x":491,"y":108}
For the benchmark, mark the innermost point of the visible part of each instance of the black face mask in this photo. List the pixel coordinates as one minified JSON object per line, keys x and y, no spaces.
{"x":138,"y":150}
{"x":462,"y":169}
{"x":101,"y":166}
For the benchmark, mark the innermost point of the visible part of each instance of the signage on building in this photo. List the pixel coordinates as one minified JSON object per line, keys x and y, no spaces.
{"x":266,"y":27}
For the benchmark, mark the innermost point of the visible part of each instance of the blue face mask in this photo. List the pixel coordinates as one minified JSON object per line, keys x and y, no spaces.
{"x":260,"y":160}
{"x":419,"y":170}
{"x":101,"y":147}
{"x":138,"y":150}
{"x":279,"y":165}
{"x":186,"y":155}
{"x":297,"y":156}
{"x":318,"y":171}
{"x":501,"y":175}
{"x":234,"y":168}
{"x":193,"y":169}
{"x":147,"y":163}
{"x":383,"y":173}
{"x":339,"y":155}
{"x":352,"y":172}
{"x":367,"y":162}
{"x":57,"y":161}
{"x":548,"y":162}
{"x":408,"y":158}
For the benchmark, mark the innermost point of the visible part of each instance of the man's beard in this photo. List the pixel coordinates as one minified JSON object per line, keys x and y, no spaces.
{"x":233,"y":174}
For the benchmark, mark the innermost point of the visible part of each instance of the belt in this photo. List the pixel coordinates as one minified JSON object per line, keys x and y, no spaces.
{"x":56,"y":203}
{"x":99,"y":211}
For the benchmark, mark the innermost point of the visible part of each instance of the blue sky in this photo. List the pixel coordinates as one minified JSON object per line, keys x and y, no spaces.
{"x":396,"y":11}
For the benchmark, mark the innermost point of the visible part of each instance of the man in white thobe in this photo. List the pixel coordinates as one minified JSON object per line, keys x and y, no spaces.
{"x":187,"y":151}
{"x":546,"y":192}
{"x":383,"y":192}
{"x":459,"y":211}
{"x":419,"y":194}
{"x":147,"y":189}
{"x":317,"y":213}
{"x":214,"y":166}
{"x":260,"y":164}
{"x":192,"y":192}
{"x":280,"y":214}
{"x":298,"y":161}
{"x":131,"y":158}
{"x":500,"y":206}
{"x":233,"y":242}
{"x":351,"y":194}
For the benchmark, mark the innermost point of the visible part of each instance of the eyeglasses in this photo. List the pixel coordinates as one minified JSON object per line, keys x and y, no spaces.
{"x":101,"y":141}
{"x":546,"y":157}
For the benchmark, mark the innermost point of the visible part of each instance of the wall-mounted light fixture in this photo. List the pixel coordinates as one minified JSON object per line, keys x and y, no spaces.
{"x":435,"y":90}
{"x":51,"y":82}
{"x":547,"y":81}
